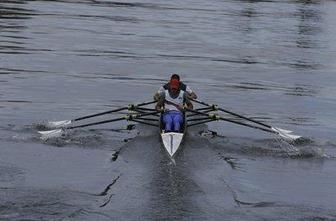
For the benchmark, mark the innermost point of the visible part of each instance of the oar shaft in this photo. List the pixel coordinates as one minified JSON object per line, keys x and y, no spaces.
{"x":247,"y":125}
{"x":234,"y":114}
{"x":243,"y":117}
{"x":146,"y":123}
{"x":99,"y":114}
{"x":149,"y":119}
{"x":283,"y":133}
{"x":129,"y":117}
{"x":145,"y":103}
{"x":145,"y":109}
{"x":232,"y":121}
{"x":200,"y":102}
{"x":112,"y":111}
{"x":96,"y":123}
{"x":200,"y":122}
{"x":198,"y":119}
{"x":204,"y":108}
{"x":195,"y":114}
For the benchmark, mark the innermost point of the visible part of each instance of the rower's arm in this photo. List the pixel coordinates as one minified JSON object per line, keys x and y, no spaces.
{"x":189,"y":105}
{"x":191,"y":94}
{"x":158,"y":94}
{"x":160,"y":103}
{"x":188,"y":102}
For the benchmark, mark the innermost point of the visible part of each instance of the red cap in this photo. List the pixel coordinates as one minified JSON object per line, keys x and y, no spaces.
{"x":174,"y":84}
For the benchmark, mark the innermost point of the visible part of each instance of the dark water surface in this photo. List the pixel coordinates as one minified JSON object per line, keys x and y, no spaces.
{"x":271,"y":60}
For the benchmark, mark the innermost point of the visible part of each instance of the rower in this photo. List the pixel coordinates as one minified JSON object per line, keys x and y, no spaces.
{"x":191,"y":94}
{"x":173,"y":100}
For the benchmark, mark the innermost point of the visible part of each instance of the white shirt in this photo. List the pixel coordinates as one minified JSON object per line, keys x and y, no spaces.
{"x":162,"y":90}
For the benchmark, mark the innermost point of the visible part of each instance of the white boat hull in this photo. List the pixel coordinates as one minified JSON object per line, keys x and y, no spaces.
{"x":172,"y":141}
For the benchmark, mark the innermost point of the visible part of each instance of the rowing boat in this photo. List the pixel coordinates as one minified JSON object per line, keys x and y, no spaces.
{"x":172,"y":140}
{"x":152,"y":117}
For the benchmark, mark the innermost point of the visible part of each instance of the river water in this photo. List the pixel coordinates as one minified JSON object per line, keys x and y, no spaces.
{"x":270,"y":60}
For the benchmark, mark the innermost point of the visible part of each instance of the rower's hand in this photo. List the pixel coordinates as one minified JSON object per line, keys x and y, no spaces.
{"x":159,"y":108}
{"x":180,"y":107}
{"x":191,"y":95}
{"x":190,"y":106}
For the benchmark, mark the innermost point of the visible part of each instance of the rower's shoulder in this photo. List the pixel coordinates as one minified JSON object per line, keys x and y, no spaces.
{"x":162,"y":94}
{"x":166,"y":86}
{"x":183,"y":85}
{"x":185,"y":96}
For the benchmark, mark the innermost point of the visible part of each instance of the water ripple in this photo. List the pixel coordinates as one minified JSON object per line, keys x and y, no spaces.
{"x":10,"y":71}
{"x":15,"y":13}
{"x":294,"y":90}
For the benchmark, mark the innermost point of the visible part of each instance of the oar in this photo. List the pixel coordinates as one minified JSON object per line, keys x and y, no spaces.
{"x":282,"y":132}
{"x":215,"y":107}
{"x":273,"y":130}
{"x":60,"y":131}
{"x":63,"y":123}
{"x":216,"y":117}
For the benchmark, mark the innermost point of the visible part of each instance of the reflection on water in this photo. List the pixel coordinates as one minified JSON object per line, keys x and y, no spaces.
{"x":305,"y":15}
{"x":9,"y":11}
{"x":11,"y":24}
{"x":309,"y":28}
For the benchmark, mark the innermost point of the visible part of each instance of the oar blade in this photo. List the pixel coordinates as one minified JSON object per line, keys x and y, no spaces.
{"x":58,"y":124}
{"x":282,"y":130}
{"x":286,"y":134}
{"x":51,"y":133}
{"x":293,"y":136}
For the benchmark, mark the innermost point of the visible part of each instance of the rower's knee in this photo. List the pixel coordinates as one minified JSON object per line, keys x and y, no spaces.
{"x":167,"y":119}
{"x":178,"y":118}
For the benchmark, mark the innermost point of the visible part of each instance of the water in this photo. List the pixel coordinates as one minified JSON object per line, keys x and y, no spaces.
{"x":271,"y":60}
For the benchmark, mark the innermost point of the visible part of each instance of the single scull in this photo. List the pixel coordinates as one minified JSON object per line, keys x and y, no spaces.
{"x":152,"y":117}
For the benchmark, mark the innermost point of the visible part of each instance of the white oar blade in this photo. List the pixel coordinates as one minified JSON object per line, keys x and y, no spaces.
{"x":282,"y":130}
{"x":286,"y":134}
{"x":56,"y":124}
{"x":293,"y":136}
{"x":51,"y":133}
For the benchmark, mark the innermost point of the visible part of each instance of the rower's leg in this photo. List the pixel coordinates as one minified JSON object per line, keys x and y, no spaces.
{"x":178,"y":120}
{"x":168,"y":122}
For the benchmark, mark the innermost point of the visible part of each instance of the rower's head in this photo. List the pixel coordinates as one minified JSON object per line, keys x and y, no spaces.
{"x":175,"y":76}
{"x":174,"y":85}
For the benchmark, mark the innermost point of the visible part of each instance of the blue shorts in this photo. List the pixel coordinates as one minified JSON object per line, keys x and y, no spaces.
{"x":173,"y":121}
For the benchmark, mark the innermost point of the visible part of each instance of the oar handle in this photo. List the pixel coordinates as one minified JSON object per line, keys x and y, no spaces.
{"x":200,"y":102}
{"x":146,"y":103}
